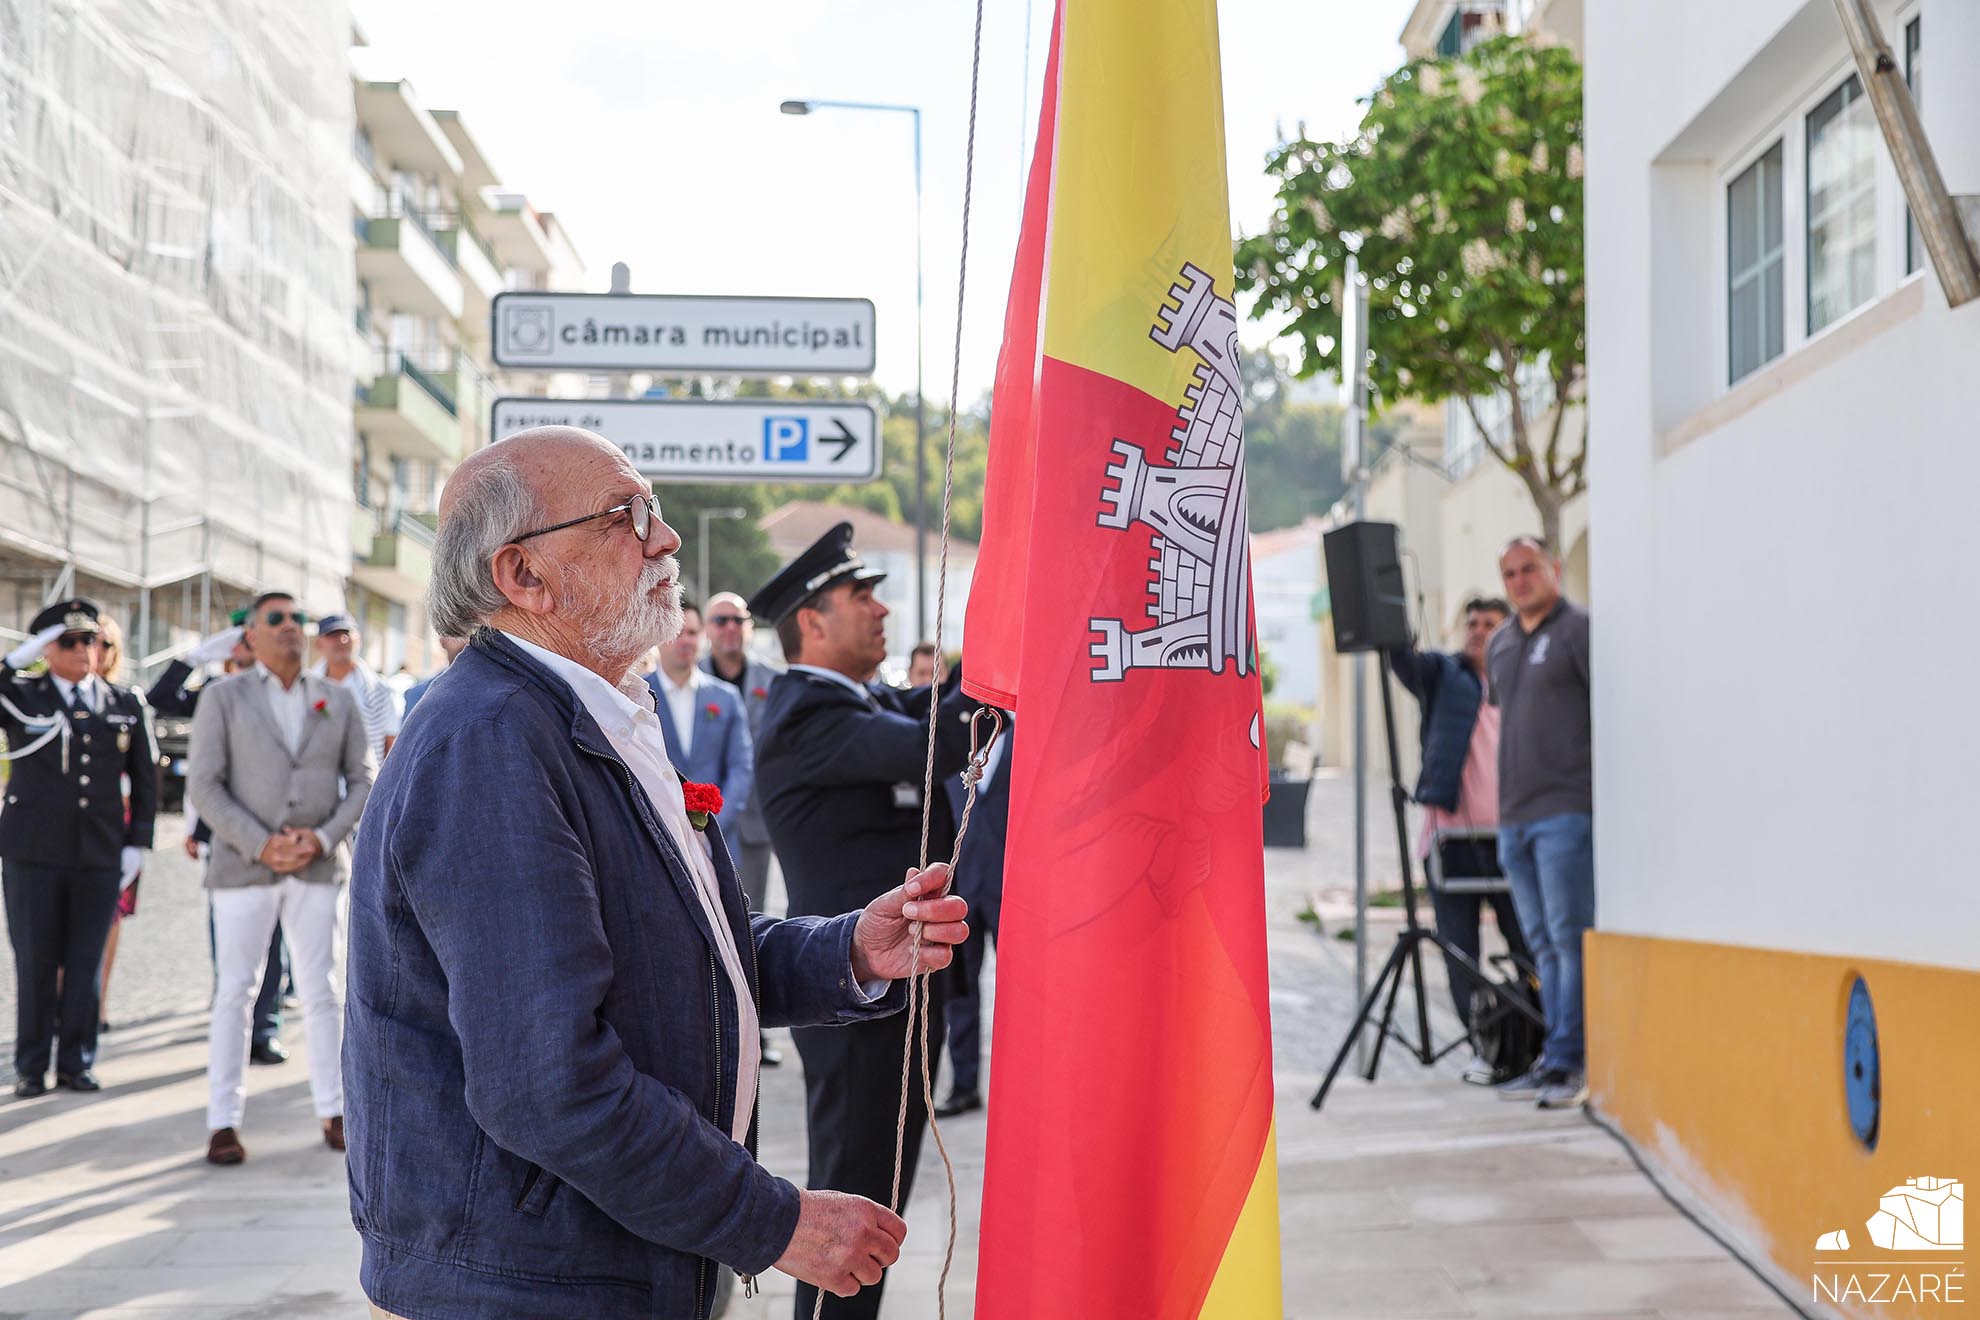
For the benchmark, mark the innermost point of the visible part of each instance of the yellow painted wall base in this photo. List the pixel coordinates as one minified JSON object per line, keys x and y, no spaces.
{"x":1724,"y":1065}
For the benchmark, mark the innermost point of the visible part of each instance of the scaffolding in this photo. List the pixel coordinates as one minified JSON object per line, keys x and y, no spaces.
{"x":176,"y":325}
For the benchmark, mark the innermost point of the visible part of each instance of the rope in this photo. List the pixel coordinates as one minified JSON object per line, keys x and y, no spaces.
{"x":918,"y":1026}
{"x":918,"y":988}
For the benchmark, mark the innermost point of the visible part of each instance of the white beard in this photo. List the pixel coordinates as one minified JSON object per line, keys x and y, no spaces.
{"x":634,"y":625}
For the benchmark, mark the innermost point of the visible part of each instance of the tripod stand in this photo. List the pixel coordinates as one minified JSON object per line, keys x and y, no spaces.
{"x":1408,"y":952}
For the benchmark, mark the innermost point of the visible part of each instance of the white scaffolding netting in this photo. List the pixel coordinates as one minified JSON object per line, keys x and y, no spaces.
{"x":176,"y":291}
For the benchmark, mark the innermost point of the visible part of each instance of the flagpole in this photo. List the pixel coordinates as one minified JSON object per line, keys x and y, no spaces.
{"x":1354,"y":398}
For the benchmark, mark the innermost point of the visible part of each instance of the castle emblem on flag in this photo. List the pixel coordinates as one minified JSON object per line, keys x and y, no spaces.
{"x":1199,"y":570}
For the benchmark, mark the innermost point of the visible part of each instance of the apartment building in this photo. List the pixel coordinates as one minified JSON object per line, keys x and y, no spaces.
{"x":437,"y":236}
{"x":174,"y":322}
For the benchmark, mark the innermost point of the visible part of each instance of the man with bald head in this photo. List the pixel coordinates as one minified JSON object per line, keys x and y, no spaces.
{"x":555,"y":986}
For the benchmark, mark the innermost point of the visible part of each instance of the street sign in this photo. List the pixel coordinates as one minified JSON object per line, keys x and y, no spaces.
{"x":727,"y":440}
{"x":682,"y":333}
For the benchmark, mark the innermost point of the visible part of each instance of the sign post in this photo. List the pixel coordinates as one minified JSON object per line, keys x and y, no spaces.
{"x":678,"y":334}
{"x":726,"y":440}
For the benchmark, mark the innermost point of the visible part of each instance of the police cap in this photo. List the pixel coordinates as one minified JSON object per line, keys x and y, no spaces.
{"x":830,"y":559}
{"x":75,"y":616}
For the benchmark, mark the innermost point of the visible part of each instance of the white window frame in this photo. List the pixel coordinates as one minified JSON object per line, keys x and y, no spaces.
{"x":1788,"y":124}
{"x":1727,"y":179}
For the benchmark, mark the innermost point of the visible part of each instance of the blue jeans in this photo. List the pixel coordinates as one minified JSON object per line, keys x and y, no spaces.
{"x":1551,"y":865}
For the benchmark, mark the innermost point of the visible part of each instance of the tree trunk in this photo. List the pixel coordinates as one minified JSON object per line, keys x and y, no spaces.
{"x":1547,"y":503}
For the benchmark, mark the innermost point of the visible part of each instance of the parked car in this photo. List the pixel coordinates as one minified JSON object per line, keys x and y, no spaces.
{"x":174,"y":738}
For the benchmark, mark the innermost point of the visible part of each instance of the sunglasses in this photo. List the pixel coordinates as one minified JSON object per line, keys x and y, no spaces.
{"x":276,"y":618}
{"x":71,"y":641}
{"x":644,"y":509}
{"x":726,"y":620}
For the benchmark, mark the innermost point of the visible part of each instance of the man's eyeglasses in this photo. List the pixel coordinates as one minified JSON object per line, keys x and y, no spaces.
{"x":276,"y":618}
{"x":71,"y":641}
{"x":644,"y":511}
{"x":727,"y":620}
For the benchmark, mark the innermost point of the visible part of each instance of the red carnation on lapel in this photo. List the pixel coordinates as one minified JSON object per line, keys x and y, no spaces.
{"x":759,"y":692}
{"x":322,"y":707}
{"x":703,"y":801}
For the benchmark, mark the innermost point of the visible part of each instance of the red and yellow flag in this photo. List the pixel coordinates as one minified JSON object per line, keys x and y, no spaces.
{"x":1131,"y":1168}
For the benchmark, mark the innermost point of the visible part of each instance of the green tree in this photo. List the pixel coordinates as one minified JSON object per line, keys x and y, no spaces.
{"x":1292,"y":451}
{"x":739,"y":555}
{"x":1461,"y":198}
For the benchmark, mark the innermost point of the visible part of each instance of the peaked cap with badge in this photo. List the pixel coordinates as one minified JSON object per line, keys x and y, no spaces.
{"x":831,"y":558}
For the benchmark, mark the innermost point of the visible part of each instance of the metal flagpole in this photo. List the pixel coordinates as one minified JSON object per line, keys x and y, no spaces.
{"x":1354,"y":402}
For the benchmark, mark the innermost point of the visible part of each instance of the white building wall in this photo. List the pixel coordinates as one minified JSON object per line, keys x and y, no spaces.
{"x":1283,"y":586}
{"x":1783,"y":726}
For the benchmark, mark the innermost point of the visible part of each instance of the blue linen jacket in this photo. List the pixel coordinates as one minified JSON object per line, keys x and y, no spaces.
{"x":721,"y":753}
{"x":539,"y":1051}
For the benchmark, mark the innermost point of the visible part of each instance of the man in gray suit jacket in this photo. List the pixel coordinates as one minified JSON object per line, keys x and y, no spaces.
{"x":280,"y":766}
{"x":729,"y":660}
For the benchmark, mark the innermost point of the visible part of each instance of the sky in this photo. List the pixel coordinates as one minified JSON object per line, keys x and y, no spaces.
{"x":651,"y":127}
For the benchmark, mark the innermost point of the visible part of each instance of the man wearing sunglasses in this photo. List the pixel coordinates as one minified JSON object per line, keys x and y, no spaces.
{"x":280,"y":766}
{"x":555,"y":986}
{"x":66,"y":847}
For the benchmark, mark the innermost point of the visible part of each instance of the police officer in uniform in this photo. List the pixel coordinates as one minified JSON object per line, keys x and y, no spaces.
{"x":66,"y":849}
{"x":839,"y":770}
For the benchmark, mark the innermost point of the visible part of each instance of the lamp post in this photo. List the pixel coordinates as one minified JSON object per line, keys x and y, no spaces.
{"x":702,"y":519}
{"x":920,"y":404}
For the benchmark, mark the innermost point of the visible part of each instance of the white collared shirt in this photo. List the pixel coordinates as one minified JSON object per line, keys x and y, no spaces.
{"x":626,"y":714}
{"x":92,"y":691}
{"x":835,"y":676}
{"x":289,"y":706}
{"x":681,"y":705}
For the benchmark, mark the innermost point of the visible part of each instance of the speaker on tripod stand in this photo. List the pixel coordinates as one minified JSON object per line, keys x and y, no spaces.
{"x":1371,"y":613}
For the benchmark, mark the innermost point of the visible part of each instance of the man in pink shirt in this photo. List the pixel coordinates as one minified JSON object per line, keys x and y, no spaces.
{"x":1459,"y":784}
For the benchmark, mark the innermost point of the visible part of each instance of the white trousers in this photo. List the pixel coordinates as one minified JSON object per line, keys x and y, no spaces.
{"x":312,"y":917}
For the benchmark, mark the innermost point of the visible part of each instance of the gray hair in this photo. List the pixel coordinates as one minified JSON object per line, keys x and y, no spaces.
{"x":491,"y":507}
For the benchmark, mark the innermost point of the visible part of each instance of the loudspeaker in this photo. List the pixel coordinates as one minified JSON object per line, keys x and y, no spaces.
{"x":1365,"y":583}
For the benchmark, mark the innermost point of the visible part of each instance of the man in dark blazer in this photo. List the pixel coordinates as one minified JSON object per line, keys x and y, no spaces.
{"x":66,"y":846}
{"x":979,"y":874}
{"x":554,"y":987}
{"x":840,"y":769}
{"x":731,"y":628}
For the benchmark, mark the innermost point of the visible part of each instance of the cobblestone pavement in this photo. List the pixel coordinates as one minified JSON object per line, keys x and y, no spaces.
{"x":1413,"y":1197}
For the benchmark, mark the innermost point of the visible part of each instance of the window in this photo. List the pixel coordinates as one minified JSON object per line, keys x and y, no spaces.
{"x":1842,"y":204}
{"x":1913,"y":249}
{"x":1755,"y":266}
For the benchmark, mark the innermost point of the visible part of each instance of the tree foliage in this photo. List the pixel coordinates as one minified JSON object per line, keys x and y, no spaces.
{"x":1461,"y":197}
{"x":1292,"y":449}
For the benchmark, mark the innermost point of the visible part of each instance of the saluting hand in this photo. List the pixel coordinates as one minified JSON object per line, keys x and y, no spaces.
{"x":883,"y":941}
{"x":30,"y":651}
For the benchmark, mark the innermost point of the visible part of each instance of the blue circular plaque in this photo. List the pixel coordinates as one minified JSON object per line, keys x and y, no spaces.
{"x":1863,"y":1083}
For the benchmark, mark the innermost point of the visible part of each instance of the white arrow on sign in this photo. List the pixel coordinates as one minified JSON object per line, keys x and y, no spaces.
{"x":679,"y":333}
{"x":727,"y":440}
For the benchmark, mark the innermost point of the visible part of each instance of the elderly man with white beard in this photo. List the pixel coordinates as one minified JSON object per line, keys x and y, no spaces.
{"x":555,"y":986}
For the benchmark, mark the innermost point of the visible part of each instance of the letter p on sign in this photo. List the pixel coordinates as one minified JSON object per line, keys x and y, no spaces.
{"x":786,"y":439}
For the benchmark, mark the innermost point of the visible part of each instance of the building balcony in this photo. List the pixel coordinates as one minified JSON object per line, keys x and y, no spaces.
{"x":480,"y":272}
{"x":408,"y":410}
{"x":399,"y":559}
{"x":517,"y":236}
{"x":403,"y":261}
{"x":401,"y":131}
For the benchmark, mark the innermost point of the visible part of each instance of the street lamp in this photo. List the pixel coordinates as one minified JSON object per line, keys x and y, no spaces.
{"x":703,"y":518}
{"x":920,"y":404}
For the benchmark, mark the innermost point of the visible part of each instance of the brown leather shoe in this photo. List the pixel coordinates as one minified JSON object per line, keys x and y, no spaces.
{"x":225,"y":1148}
{"x":333,"y":1132}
